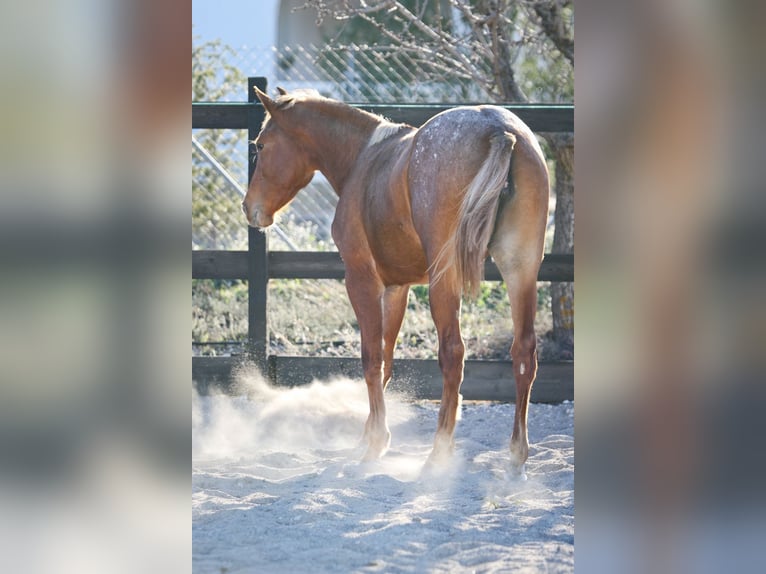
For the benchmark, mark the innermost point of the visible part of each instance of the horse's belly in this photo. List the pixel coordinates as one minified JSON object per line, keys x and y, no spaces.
{"x":399,"y":256}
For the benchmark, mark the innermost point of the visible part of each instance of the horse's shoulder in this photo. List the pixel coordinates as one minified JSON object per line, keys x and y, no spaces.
{"x":352,"y":243}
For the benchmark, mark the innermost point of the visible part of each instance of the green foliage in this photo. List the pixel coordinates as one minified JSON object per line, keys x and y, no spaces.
{"x":419,"y":296}
{"x":492,"y":295}
{"x":546,"y":76}
{"x":213,"y":77}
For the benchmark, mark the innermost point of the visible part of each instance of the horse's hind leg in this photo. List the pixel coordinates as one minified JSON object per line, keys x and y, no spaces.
{"x":518,"y":257}
{"x":523,"y":294}
{"x":394,"y":306}
{"x":445,"y":310}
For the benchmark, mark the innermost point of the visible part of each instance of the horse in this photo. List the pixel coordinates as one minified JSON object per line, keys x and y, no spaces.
{"x":415,"y":206}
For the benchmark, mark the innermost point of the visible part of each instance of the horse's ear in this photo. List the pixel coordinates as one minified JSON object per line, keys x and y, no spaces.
{"x":282,"y":91}
{"x":267,"y":102}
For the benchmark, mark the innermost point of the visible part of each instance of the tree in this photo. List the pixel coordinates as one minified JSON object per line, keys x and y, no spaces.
{"x":213,"y":78}
{"x":514,"y":50}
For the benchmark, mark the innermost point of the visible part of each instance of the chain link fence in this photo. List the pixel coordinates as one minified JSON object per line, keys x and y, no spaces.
{"x":364,"y":74}
{"x":353,"y":73}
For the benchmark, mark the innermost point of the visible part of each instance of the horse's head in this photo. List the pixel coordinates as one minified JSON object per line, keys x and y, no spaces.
{"x":283,"y":167}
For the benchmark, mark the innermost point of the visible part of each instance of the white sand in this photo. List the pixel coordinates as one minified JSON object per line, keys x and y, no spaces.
{"x":277,"y":487}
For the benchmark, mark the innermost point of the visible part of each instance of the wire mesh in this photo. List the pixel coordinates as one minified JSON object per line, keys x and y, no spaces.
{"x":359,"y":73}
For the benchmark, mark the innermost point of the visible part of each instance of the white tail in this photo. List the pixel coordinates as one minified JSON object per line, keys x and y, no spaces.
{"x":466,"y":249}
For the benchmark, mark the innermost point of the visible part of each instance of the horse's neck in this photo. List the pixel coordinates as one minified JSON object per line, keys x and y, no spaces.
{"x":339,"y":136}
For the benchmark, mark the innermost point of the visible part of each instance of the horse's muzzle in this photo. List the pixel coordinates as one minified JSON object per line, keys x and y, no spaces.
{"x":263,"y":220}
{"x":257,"y":218}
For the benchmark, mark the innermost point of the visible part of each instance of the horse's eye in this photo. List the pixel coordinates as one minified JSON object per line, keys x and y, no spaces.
{"x":259,"y":146}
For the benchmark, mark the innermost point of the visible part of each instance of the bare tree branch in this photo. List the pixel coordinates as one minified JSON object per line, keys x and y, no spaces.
{"x":484,"y":46}
{"x":365,"y":8}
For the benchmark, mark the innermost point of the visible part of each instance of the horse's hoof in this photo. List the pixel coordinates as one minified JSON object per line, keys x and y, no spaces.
{"x":377,"y":448}
{"x":518,"y":456}
{"x":517,"y":473}
{"x":441,"y":464}
{"x":373,"y":454}
{"x":440,"y":458}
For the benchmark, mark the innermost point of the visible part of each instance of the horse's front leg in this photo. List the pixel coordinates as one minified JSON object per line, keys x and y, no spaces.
{"x":365,"y":292}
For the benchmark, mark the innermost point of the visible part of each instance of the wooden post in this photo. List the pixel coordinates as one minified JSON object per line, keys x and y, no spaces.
{"x":257,"y":247}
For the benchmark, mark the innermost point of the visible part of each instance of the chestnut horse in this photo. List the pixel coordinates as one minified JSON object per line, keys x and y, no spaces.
{"x":416,"y":206}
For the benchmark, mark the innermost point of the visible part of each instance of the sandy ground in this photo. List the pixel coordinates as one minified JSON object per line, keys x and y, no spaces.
{"x":277,"y":486}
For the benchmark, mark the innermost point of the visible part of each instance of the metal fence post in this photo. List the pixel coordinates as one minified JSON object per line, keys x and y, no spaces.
{"x":257,"y":247}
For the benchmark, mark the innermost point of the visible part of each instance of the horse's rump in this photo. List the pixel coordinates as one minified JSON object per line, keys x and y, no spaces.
{"x":476,"y":145}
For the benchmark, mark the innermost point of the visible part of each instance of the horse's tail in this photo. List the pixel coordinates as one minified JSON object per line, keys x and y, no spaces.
{"x":467,"y":248}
